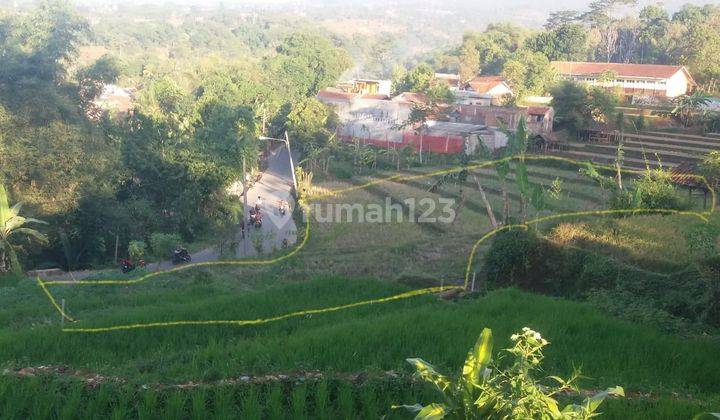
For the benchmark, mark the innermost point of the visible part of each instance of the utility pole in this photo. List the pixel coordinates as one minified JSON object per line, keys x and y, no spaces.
{"x":245,"y":206}
{"x":292,"y":164}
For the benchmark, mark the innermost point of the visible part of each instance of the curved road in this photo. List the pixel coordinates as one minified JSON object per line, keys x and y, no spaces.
{"x":275,"y":185}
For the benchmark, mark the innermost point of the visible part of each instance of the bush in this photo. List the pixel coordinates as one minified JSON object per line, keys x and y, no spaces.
{"x":137,"y":249}
{"x":341,"y":170}
{"x":521,"y":258}
{"x":656,"y":191}
{"x":162,"y":244}
{"x":701,"y":239}
{"x":486,"y":390}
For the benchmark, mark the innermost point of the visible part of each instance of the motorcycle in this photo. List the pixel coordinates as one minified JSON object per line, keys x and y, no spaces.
{"x":181,"y":256}
{"x":256,"y":218}
{"x":283,"y":208}
{"x":126,"y":266}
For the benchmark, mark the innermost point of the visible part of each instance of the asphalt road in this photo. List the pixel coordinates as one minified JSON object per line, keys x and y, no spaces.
{"x":275,"y":185}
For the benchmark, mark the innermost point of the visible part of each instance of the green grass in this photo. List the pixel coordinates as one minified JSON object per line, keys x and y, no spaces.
{"x":610,"y":351}
{"x":45,"y":397}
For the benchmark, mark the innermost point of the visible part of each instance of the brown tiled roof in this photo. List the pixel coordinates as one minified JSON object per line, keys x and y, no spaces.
{"x":653,"y":71}
{"x":686,"y":174}
{"x":336,"y":94}
{"x":537,"y":110}
{"x":411,"y":97}
{"x":374,"y":96}
{"x":484,"y":84}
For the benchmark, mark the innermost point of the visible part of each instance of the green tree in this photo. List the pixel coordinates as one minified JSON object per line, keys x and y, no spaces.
{"x":419,"y":79}
{"x":577,"y":106}
{"x":529,"y":73}
{"x":601,"y":104}
{"x":311,"y":124}
{"x":566,"y":42}
{"x":305,"y":63}
{"x":469,"y":62}
{"x":570,"y":101}
{"x":12,"y":224}
{"x":654,"y":21}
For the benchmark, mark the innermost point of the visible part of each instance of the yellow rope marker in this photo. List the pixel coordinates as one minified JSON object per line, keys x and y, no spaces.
{"x":239,"y":323}
{"x":53,"y":301}
{"x":306,"y":209}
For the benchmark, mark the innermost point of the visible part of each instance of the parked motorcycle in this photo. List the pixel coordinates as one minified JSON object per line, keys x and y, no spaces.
{"x":256,"y":218}
{"x":126,"y":266}
{"x":181,"y":256}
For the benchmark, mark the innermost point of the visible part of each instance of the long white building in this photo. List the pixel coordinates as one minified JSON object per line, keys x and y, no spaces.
{"x":639,"y":82}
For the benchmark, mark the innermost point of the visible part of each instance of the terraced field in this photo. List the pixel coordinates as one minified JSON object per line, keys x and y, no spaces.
{"x":655,"y":148}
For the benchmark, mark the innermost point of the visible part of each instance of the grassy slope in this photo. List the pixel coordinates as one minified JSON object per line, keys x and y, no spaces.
{"x":379,"y":336}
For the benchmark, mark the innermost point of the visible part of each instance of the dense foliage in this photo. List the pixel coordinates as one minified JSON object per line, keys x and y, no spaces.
{"x":691,"y":37}
{"x":102,"y":181}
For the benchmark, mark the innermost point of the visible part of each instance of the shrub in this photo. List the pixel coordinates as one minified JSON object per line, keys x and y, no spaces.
{"x":162,"y":244}
{"x":484,"y":390}
{"x":341,"y":170}
{"x":655,"y":190}
{"x":701,"y":239}
{"x":137,"y":249}
{"x":517,"y":257}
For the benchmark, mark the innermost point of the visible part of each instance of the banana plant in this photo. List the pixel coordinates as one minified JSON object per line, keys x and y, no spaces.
{"x":12,"y":224}
{"x":484,"y":391}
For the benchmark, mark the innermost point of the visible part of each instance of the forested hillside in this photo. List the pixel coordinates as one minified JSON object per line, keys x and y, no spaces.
{"x":101,"y":182}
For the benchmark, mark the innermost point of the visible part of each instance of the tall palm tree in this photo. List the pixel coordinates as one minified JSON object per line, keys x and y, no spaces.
{"x":11,"y":225}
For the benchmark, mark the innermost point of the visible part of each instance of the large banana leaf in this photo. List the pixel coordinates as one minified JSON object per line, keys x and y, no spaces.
{"x":428,"y":373}
{"x":593,"y":402}
{"x":432,"y":412}
{"x":31,"y":232}
{"x":478,"y":358}
{"x":4,"y":207}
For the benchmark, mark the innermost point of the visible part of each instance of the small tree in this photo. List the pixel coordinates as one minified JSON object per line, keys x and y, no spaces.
{"x":485,"y":391}
{"x":162,"y":244}
{"x":136,"y":250}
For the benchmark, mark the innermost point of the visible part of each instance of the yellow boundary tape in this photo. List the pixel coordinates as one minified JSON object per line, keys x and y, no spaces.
{"x":239,"y":323}
{"x":43,"y":284}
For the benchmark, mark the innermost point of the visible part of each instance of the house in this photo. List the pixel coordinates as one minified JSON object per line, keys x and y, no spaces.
{"x":377,"y":120}
{"x":638,"y":82}
{"x":484,"y":90}
{"x":115,"y":99}
{"x":438,"y":136}
{"x":369,"y":116}
{"x":495,"y":86}
{"x":539,"y":119}
{"x":367,"y":86}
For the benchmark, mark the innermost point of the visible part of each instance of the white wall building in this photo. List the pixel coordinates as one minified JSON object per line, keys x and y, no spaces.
{"x":638,"y":82}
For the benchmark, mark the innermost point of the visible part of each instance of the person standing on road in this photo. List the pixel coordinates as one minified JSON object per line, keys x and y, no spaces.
{"x":258,"y":203}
